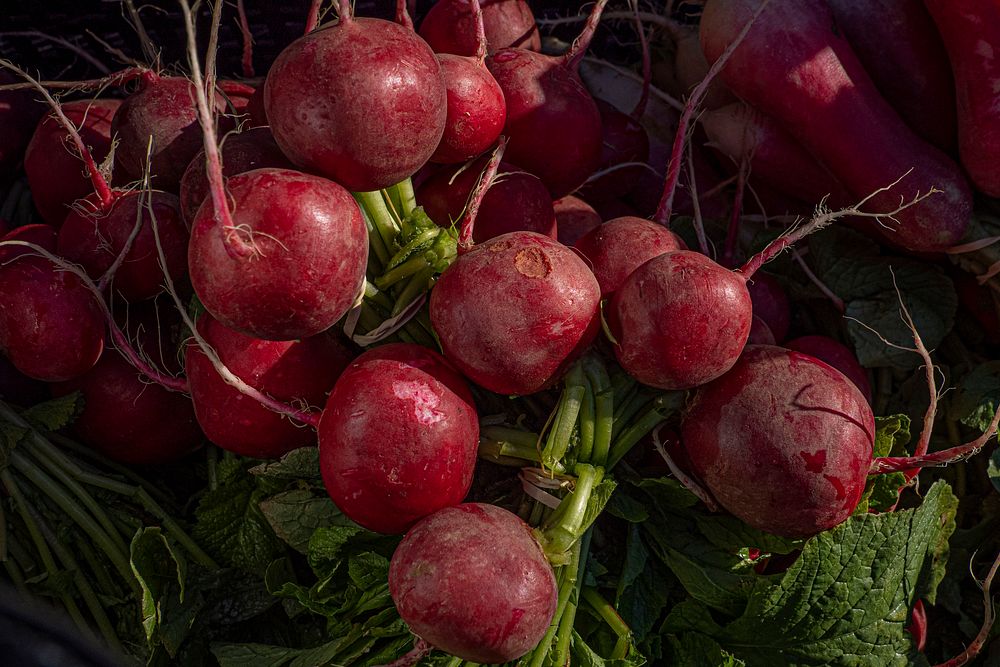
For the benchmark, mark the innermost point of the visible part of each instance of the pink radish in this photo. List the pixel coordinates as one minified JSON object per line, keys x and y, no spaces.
{"x":771,"y":304}
{"x":553,"y":124}
{"x":398,"y":437}
{"x":56,"y":176}
{"x":361,"y":102}
{"x":835,"y":354}
{"x":816,"y":87}
{"x":473,"y":581}
{"x":304,"y":370}
{"x":574,"y":218}
{"x":449,"y":27}
{"x":619,"y":246}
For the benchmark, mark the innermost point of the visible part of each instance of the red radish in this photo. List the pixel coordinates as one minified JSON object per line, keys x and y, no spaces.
{"x":130,"y":419}
{"x":620,"y":246}
{"x":971,"y":33}
{"x":836,"y":354}
{"x":308,"y":249}
{"x":517,"y":200}
{"x":760,"y":333}
{"x":515,"y":311}
{"x":771,"y":304}
{"x":57,"y":176}
{"x":979,"y":301}
{"x":238,"y":96}
{"x":163,"y":108}
{"x":288,"y":371}
{"x":398,"y":437}
{"x":257,"y":116}
{"x":251,"y":149}
{"x":900,"y":47}
{"x":19,"y":113}
{"x":472,"y":581}
{"x":918,"y":625}
{"x":574,"y":218}
{"x":553,"y":124}
{"x":361,"y":102}
{"x":816,"y":87}
{"x":781,"y":420}
{"x":775,"y":157}
{"x":94,"y":237}
{"x":51,"y":327}
{"x":450,"y":28}
{"x":624,"y":142}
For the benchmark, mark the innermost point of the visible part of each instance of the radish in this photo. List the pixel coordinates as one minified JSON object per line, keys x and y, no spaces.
{"x":835,"y":354}
{"x":574,"y":218}
{"x":248,"y":150}
{"x":473,"y":581}
{"x":130,"y":419}
{"x":783,"y":420}
{"x":94,"y":234}
{"x":450,"y":28}
{"x":476,"y":108}
{"x":760,"y":333}
{"x":56,"y":176}
{"x":771,"y":304}
{"x":816,"y":87}
{"x":19,"y":113}
{"x":517,"y":201}
{"x":553,"y":124}
{"x":162,"y":109}
{"x":901,"y":49}
{"x":514,"y":311}
{"x":619,"y":246}
{"x":290,"y":261}
{"x":398,"y":437}
{"x":304,"y":370}
{"x":971,"y":33}
{"x":361,"y":102}
{"x":51,"y":327}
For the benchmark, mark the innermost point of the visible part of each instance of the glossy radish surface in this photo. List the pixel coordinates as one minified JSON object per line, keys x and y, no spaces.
{"x":620,"y":246}
{"x":476,"y":109}
{"x":472,"y":580}
{"x":398,"y":437}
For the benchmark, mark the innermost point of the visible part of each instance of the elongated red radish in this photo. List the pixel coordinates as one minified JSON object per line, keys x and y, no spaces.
{"x":361,"y":102}
{"x":163,"y":108}
{"x":130,"y":419}
{"x":901,"y":49}
{"x":771,"y":304}
{"x":94,"y":237}
{"x":473,"y":581}
{"x":574,"y":218}
{"x":516,"y":201}
{"x":553,"y":124}
{"x":51,"y":327}
{"x":251,"y":149}
{"x":301,"y":371}
{"x":309,"y":248}
{"x":836,"y":354}
{"x":816,"y":87}
{"x":514,"y":311}
{"x":619,"y":246}
{"x":776,"y":158}
{"x":971,"y":33}
{"x":57,"y":176}
{"x":19,"y":113}
{"x":449,"y":28}
{"x":398,"y":437}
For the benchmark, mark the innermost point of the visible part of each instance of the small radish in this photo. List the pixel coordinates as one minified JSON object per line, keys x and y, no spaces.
{"x":836,"y":354}
{"x":289,"y":263}
{"x":304,"y":370}
{"x":248,"y":150}
{"x":760,"y":333}
{"x":553,"y":124}
{"x":162,"y":109}
{"x":620,"y":246}
{"x":473,"y":581}
{"x":361,"y":102}
{"x":517,"y":201}
{"x":56,"y":176}
{"x":574,"y":218}
{"x":624,"y":154}
{"x":51,"y":326}
{"x":450,"y":28}
{"x":771,"y":304}
{"x":398,"y":437}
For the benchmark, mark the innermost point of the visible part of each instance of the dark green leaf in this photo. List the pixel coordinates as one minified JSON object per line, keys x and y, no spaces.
{"x":252,"y":655}
{"x":159,"y":570}
{"x":978,"y":396}
{"x":846,"y":600}
{"x":302,"y":463}
{"x":666,"y":492}
{"x":295,"y":515}
{"x":55,"y":414}
{"x":692,"y":649}
{"x":993,"y":469}
{"x":643,"y":595}
{"x":627,"y":508}
{"x":892,"y":434}
{"x":598,"y":499}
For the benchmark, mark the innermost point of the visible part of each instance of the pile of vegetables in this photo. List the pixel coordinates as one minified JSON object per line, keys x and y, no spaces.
{"x":633,"y":335}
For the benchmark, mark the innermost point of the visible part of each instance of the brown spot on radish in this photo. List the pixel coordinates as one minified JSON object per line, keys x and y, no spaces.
{"x":532,"y":263}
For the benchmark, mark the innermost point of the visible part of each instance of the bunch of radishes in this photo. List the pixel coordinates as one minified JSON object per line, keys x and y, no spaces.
{"x":288,"y":212}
